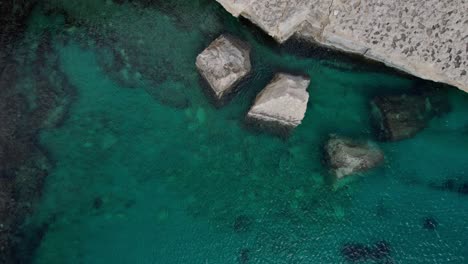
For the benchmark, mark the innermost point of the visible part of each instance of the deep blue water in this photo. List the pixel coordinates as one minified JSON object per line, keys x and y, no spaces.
{"x":146,"y":170}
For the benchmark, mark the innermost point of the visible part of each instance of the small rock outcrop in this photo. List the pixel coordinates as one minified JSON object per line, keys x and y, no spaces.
{"x":223,"y":64}
{"x":345,"y":156}
{"x":397,"y":33}
{"x":281,"y":105}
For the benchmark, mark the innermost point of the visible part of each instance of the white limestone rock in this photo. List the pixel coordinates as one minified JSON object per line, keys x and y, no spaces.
{"x":428,"y":39}
{"x":282,"y":104}
{"x":223,"y":64}
{"x":345,"y":156}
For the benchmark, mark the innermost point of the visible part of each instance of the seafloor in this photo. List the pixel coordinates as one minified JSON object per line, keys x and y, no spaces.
{"x":138,"y":166}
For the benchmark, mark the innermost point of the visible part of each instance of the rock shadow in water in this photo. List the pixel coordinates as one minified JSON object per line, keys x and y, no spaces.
{"x":242,"y":224}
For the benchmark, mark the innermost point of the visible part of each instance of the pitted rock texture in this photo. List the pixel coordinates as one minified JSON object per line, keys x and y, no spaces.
{"x":345,"y":156}
{"x":282,"y":104}
{"x":428,"y":39}
{"x":224,"y":64}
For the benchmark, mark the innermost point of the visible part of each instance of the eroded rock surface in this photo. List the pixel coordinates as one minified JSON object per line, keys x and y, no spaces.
{"x":345,"y":156}
{"x":224,"y":64}
{"x":282,"y":104}
{"x":428,"y":39}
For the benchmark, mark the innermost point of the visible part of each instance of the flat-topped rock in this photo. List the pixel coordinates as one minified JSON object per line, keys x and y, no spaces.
{"x":345,"y":156}
{"x":223,"y":64}
{"x":282,"y":104}
{"x":428,"y":39}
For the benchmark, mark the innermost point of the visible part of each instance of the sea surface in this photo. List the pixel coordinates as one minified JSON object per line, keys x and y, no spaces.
{"x":144,"y":169}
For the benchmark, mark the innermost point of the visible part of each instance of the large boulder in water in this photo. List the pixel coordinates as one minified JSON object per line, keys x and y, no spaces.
{"x":282,"y":104}
{"x":345,"y":156}
{"x":223,"y":64}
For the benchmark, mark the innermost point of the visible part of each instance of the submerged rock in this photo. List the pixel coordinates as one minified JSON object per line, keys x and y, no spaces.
{"x":345,"y":156}
{"x":463,"y":189}
{"x":13,"y":18}
{"x":357,"y":252}
{"x":397,"y":117}
{"x":456,"y":185}
{"x":170,"y":93}
{"x":281,"y":106}
{"x":223,"y":64}
{"x":98,"y":202}
{"x":430,"y":223}
{"x":35,"y":94}
{"x":380,"y":250}
{"x":244,"y":256}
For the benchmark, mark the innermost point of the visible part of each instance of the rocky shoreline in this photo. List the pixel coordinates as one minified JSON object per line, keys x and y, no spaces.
{"x":397,"y":33}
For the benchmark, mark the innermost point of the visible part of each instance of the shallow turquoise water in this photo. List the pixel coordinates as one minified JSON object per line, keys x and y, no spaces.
{"x":139,"y":178}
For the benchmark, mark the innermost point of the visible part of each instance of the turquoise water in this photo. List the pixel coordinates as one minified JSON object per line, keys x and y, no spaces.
{"x":146,"y":170}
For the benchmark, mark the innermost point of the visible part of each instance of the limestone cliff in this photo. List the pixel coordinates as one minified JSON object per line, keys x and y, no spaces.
{"x":428,"y":39}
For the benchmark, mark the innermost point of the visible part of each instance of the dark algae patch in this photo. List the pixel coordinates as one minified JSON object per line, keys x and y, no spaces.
{"x":111,"y":152}
{"x":356,"y":252}
{"x":430,"y":223}
{"x":242,"y":223}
